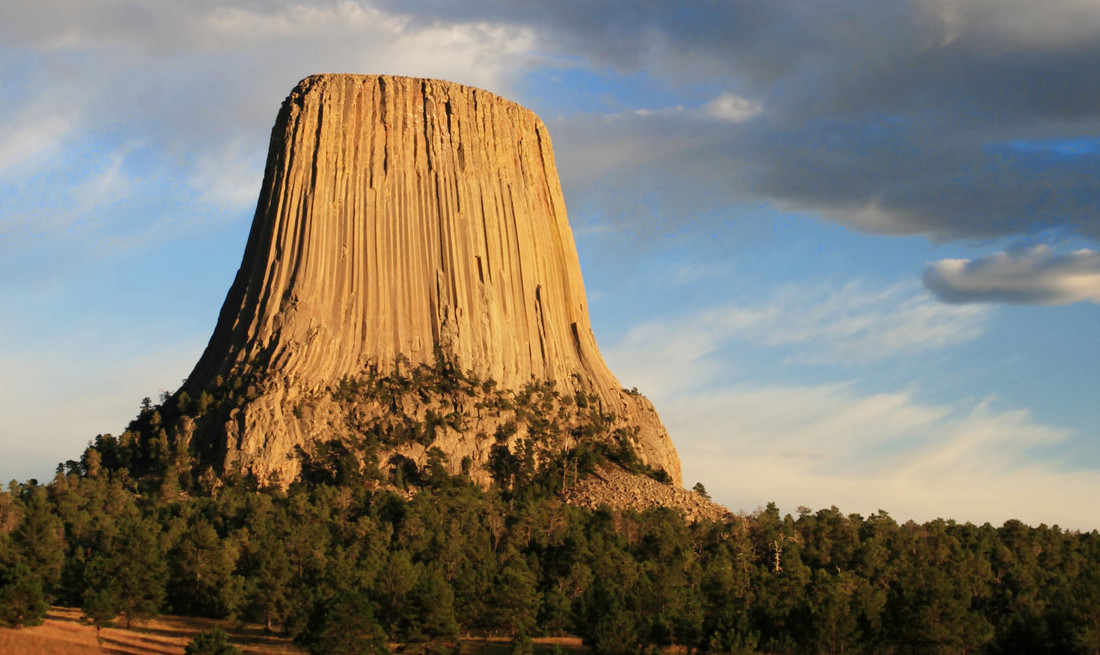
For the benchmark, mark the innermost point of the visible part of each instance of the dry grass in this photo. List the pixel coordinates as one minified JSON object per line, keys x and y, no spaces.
{"x":64,"y":633}
{"x":542,"y":646}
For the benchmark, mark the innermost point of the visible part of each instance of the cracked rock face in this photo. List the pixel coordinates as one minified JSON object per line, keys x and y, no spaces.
{"x":402,"y":219}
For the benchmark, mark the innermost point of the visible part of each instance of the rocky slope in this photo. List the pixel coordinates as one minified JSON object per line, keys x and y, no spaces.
{"x":615,"y":488}
{"x":401,"y":223}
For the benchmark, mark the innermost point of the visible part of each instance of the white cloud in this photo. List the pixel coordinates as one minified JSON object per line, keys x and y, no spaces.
{"x":827,"y":423}
{"x":829,"y":445}
{"x":107,"y":185}
{"x":727,"y":107}
{"x":229,"y":178}
{"x":197,"y":86}
{"x":600,"y":146}
{"x":33,"y":137}
{"x":603,"y":148}
{"x":731,"y":108}
{"x":686,"y":273}
{"x":833,"y":443}
{"x":850,"y":324}
{"x":860,"y":324}
{"x":1035,"y":276}
{"x":358,"y":37}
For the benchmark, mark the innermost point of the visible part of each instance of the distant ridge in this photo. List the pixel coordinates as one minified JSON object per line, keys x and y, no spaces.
{"x":402,"y":222}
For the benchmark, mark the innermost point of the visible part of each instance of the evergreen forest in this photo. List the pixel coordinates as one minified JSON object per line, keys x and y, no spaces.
{"x":362,"y":556}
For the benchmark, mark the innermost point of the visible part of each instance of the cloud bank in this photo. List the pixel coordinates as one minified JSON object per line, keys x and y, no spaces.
{"x":922,"y":117}
{"x":1032,"y":276}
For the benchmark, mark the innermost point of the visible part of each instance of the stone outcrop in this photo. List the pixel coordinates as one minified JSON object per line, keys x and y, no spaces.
{"x":402,"y":221}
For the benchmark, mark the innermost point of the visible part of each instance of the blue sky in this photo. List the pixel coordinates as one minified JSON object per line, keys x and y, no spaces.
{"x":848,"y":249}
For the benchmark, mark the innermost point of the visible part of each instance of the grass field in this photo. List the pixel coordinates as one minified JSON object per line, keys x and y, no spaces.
{"x":64,"y":632}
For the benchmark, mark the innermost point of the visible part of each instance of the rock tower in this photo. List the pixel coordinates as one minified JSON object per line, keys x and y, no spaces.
{"x":402,"y":220}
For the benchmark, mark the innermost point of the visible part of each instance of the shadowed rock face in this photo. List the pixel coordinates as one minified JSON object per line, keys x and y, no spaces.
{"x":404,"y":219}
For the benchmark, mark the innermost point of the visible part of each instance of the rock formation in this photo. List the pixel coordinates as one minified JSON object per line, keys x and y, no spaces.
{"x":402,"y":221}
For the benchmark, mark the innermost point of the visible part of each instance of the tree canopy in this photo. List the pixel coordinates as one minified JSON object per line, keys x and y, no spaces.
{"x":353,"y":558}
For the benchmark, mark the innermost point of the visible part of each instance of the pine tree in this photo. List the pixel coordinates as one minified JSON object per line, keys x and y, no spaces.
{"x":345,"y":625}
{"x":202,"y":581}
{"x":130,"y":570}
{"x":516,"y":596}
{"x":22,"y":601}
{"x":214,"y":641}
{"x":40,"y":538}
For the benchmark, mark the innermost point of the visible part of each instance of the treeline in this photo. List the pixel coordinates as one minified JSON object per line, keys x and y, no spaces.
{"x":342,"y":567}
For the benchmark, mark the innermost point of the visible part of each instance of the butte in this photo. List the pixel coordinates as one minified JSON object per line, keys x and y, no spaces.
{"x":408,"y":231}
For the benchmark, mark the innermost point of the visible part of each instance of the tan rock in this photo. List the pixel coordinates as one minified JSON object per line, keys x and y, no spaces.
{"x":399,"y":217}
{"x":621,"y":491}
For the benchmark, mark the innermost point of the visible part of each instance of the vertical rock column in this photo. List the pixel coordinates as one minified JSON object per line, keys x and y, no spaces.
{"x":399,"y":217}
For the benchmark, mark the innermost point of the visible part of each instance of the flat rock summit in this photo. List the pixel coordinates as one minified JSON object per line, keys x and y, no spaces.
{"x":403,"y":222}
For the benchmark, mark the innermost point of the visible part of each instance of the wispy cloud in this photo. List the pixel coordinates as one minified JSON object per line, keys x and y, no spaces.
{"x":1031,"y":276}
{"x":107,"y":185}
{"x":835,"y":443}
{"x":854,"y":323}
{"x":686,"y":273}
{"x":830,"y":445}
{"x":32,"y":138}
{"x":229,"y":178}
{"x":860,"y":324}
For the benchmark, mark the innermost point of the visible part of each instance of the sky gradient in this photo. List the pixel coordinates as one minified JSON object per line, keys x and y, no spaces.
{"x":849,"y":250}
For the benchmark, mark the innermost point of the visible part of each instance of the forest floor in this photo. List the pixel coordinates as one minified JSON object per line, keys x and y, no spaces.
{"x":65,"y":632}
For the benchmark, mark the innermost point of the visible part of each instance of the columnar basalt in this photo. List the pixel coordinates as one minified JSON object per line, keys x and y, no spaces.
{"x":400,"y":221}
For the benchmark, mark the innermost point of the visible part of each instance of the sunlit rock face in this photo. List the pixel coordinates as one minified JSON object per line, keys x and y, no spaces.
{"x":402,"y":220}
